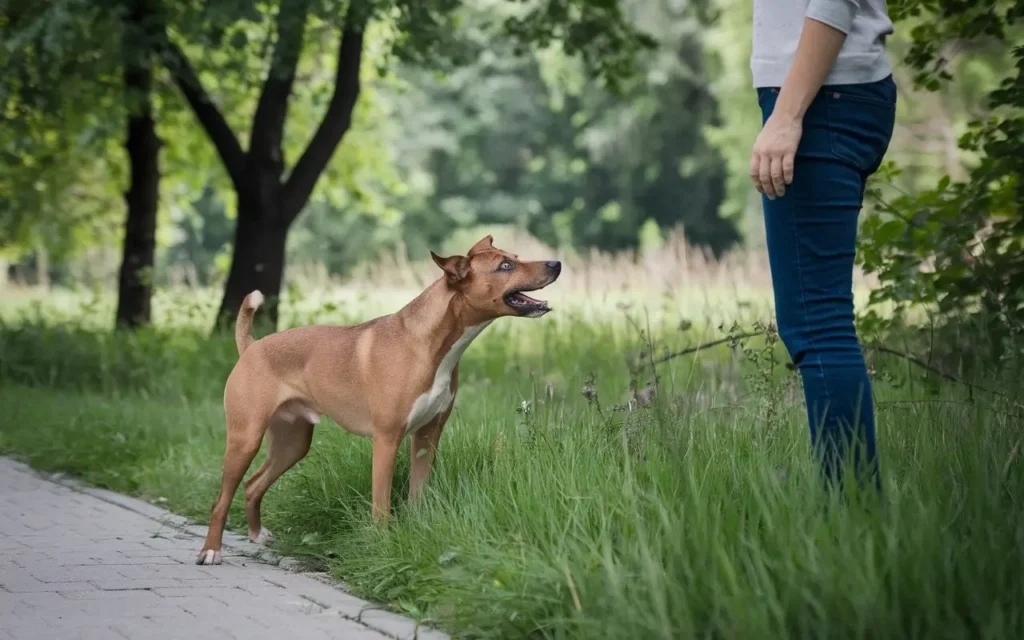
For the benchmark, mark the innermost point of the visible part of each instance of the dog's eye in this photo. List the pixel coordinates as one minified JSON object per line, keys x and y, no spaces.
{"x":505,"y":265}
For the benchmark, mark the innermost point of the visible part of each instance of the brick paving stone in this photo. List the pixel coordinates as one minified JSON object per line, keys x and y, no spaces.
{"x":87,"y":564}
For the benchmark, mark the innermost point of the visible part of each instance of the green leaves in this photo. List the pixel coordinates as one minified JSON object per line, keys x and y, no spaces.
{"x":537,"y":140}
{"x":889,"y":231}
{"x":490,"y":111}
{"x":597,"y":30}
{"x":956,"y":248}
{"x":59,"y":100}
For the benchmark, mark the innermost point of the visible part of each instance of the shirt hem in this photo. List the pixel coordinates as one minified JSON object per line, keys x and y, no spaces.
{"x":849,"y":70}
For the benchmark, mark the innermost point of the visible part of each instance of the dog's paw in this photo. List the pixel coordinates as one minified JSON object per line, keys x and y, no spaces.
{"x":263,"y":538}
{"x":208,"y":556}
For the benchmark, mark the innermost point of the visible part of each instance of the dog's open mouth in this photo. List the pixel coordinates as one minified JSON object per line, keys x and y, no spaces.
{"x":524,"y":305}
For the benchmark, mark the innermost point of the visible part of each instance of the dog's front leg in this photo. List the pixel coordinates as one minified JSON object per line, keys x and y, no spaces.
{"x":385,"y":450}
{"x":423,"y":448}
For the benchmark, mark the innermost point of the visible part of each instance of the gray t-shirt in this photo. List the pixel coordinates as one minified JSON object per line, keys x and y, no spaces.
{"x":777,"y":28}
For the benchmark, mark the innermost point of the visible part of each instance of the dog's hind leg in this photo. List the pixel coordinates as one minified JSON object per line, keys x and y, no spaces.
{"x":289,"y":442}
{"x":245,"y":433}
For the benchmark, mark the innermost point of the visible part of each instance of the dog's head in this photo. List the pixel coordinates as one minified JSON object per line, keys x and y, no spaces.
{"x":495,"y":282}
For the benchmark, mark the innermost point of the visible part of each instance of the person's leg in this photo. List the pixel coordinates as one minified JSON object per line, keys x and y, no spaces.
{"x":811,"y":233}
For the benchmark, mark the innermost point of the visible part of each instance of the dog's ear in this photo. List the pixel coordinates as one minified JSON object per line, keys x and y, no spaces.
{"x":487,"y":242}
{"x":455,"y":267}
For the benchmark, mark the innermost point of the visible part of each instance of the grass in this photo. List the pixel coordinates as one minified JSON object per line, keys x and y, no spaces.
{"x":672,"y":281}
{"x":700,"y":516}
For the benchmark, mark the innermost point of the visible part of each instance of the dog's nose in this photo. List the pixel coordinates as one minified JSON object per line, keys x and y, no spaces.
{"x":555,"y":267}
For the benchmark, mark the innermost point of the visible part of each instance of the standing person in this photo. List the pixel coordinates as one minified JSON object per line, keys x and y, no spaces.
{"x":828,"y":104}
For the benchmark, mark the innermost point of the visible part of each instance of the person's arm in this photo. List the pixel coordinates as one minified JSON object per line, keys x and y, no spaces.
{"x":815,"y":54}
{"x":824,"y":31}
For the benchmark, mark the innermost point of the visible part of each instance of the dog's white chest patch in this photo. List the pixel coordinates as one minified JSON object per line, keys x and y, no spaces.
{"x":439,"y":396}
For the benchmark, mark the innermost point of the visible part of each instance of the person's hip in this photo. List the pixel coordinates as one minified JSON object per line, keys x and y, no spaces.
{"x":852,"y":123}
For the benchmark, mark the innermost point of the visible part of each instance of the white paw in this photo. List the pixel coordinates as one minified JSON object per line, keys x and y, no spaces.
{"x":264,"y":537}
{"x":208,"y":556}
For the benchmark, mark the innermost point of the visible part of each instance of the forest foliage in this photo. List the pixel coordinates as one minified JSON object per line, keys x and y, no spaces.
{"x":594,"y":125}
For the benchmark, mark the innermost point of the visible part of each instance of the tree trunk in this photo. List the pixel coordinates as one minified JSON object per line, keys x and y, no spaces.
{"x":257,"y":258}
{"x":135,"y":284}
{"x":42,"y":266}
{"x":266,"y":206}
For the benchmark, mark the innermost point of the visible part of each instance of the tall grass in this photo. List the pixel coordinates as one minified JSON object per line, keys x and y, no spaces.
{"x":562,"y":514}
{"x":672,"y":280}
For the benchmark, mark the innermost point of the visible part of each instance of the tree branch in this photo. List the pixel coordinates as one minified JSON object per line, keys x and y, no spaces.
{"x":914,"y":360}
{"x":217,"y":129}
{"x":880,"y":348}
{"x":707,"y":345}
{"x":335,"y":123}
{"x":272,"y":109}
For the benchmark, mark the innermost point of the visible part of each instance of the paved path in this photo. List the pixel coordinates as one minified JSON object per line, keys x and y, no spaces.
{"x":81,"y":563}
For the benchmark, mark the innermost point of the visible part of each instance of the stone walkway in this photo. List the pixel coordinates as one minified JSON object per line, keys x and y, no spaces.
{"x":82,"y":563}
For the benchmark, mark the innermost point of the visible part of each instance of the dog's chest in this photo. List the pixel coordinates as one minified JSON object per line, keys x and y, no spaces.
{"x":439,"y":396}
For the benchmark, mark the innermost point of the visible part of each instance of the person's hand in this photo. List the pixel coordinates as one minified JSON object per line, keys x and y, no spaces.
{"x":771,"y":162}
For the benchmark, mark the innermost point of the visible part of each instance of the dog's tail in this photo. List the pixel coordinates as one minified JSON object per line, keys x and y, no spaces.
{"x":243,"y":325}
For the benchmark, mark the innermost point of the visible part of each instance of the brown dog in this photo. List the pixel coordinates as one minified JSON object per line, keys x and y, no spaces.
{"x":385,"y":379}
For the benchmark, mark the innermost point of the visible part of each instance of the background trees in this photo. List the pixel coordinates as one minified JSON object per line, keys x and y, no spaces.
{"x":215,"y":142}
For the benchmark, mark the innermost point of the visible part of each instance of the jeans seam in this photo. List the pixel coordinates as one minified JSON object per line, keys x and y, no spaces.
{"x":807,"y":327}
{"x":803,"y":299}
{"x":835,"y":307}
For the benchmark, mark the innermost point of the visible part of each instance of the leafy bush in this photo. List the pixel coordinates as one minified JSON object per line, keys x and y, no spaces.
{"x":957,"y":250}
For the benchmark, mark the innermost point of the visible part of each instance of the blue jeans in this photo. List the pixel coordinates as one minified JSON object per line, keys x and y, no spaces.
{"x":811,"y":234}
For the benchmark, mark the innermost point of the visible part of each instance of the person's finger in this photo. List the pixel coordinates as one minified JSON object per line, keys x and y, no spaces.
{"x":788,"y":161}
{"x":778,"y":183}
{"x":755,"y":170}
{"x":765,"y":175}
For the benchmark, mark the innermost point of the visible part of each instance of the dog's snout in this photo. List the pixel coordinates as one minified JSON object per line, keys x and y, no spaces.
{"x":555,"y":267}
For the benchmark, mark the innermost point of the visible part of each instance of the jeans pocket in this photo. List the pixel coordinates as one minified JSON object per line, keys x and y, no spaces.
{"x":882,"y":92}
{"x":860,"y":120}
